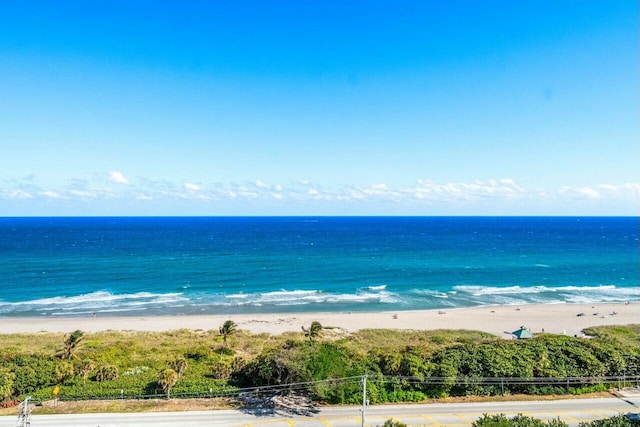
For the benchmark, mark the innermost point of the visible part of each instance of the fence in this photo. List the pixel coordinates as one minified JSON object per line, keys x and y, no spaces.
{"x":459,"y":383}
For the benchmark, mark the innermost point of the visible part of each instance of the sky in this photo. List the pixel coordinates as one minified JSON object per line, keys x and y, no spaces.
{"x":319,"y":107}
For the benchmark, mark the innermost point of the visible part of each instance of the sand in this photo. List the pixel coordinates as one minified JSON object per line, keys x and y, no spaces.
{"x":498,"y":320}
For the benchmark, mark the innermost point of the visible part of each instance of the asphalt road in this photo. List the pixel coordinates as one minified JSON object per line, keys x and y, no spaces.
{"x":433,"y":415}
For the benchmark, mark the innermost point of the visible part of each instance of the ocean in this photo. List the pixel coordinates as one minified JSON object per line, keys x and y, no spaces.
{"x":218,"y":265}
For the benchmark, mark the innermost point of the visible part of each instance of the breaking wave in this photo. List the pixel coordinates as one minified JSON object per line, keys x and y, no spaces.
{"x":371,"y":298}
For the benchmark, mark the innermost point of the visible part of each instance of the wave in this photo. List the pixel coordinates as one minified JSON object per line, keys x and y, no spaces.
{"x":493,"y":290}
{"x":237,"y":296}
{"x":96,"y":297}
{"x":490,"y":295}
{"x":366,"y":298}
{"x":306,"y":297}
{"x":99,"y":301}
{"x":433,"y":293}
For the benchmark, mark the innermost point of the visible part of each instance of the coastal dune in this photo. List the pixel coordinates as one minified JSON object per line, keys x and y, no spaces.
{"x":569,"y":319}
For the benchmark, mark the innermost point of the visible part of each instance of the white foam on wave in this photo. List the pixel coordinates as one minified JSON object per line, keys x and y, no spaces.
{"x":496,"y":290}
{"x":307,"y":297}
{"x":287,"y":294}
{"x":103,"y":311}
{"x":459,"y":296}
{"x":432,"y":293}
{"x":94,"y":297}
{"x":100,"y":301}
{"x":548,"y":294}
{"x":237,"y":296}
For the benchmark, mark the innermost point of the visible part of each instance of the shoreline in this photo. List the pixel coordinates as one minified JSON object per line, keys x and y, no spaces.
{"x":497,"y":320}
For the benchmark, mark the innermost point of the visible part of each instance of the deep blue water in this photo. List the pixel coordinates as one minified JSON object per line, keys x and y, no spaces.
{"x":76,"y":266}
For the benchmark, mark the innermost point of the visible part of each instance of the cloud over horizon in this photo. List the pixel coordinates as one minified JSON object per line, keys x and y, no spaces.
{"x":475,"y":196}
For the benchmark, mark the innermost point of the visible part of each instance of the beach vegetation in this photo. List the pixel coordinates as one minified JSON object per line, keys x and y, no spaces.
{"x":402,"y":366}
{"x":167,"y":379}
{"x":64,"y":372}
{"x":70,"y":345}
{"x":85,"y":368}
{"x":227,"y":329}
{"x":7,"y":379}
{"x":106,"y":373}
{"x":313,"y":332}
{"x":179,"y":365}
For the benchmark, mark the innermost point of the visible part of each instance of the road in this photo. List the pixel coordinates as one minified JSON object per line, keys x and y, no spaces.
{"x":432,"y":415}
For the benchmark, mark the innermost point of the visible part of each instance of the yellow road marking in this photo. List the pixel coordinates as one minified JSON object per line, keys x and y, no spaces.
{"x":325,"y":422}
{"x":565,"y":416}
{"x":464,"y":417}
{"x":596,"y":413}
{"x":267,"y":422}
{"x":428,"y":418}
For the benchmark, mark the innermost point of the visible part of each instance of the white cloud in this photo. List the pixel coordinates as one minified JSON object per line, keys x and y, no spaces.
{"x":141,"y":196}
{"x":460,"y":191}
{"x":505,"y":195}
{"x":51,"y":194}
{"x":579,"y":192}
{"x":629,"y":189}
{"x":608,"y":187}
{"x":16,"y":194}
{"x":84,"y":194}
{"x":589,"y":192}
{"x":117,"y":177}
{"x":380,"y":192}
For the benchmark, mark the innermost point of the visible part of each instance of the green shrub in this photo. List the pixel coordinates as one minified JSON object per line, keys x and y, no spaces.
{"x":64,"y":372}
{"x":617,"y":421}
{"x":501,"y":420}
{"x":393,"y":423}
{"x":106,"y":373}
{"x":26,"y":380}
{"x":589,"y":389}
{"x":335,"y":367}
{"x":7,"y":379}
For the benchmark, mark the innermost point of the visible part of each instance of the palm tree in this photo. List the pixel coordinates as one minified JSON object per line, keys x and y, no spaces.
{"x":71,"y":343}
{"x":107,"y":373}
{"x":86,"y":367}
{"x":227,"y":329}
{"x":314,"y":330}
{"x":167,"y":380}
{"x":179,"y":365}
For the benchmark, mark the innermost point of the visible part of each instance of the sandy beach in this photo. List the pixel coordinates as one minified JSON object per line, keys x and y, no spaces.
{"x":498,"y":320}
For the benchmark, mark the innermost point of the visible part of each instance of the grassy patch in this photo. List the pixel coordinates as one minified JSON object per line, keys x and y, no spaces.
{"x":628,"y":335}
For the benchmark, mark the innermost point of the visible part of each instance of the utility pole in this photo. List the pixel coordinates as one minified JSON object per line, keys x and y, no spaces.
{"x":24,"y":417}
{"x":364,"y":397}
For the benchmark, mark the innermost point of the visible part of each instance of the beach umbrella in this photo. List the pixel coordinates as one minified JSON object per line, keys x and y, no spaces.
{"x":522,"y":333}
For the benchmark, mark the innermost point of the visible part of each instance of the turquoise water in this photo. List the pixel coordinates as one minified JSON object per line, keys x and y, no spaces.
{"x":153,"y":266}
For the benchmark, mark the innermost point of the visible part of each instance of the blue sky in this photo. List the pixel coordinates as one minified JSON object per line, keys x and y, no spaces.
{"x":319,"y":108}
